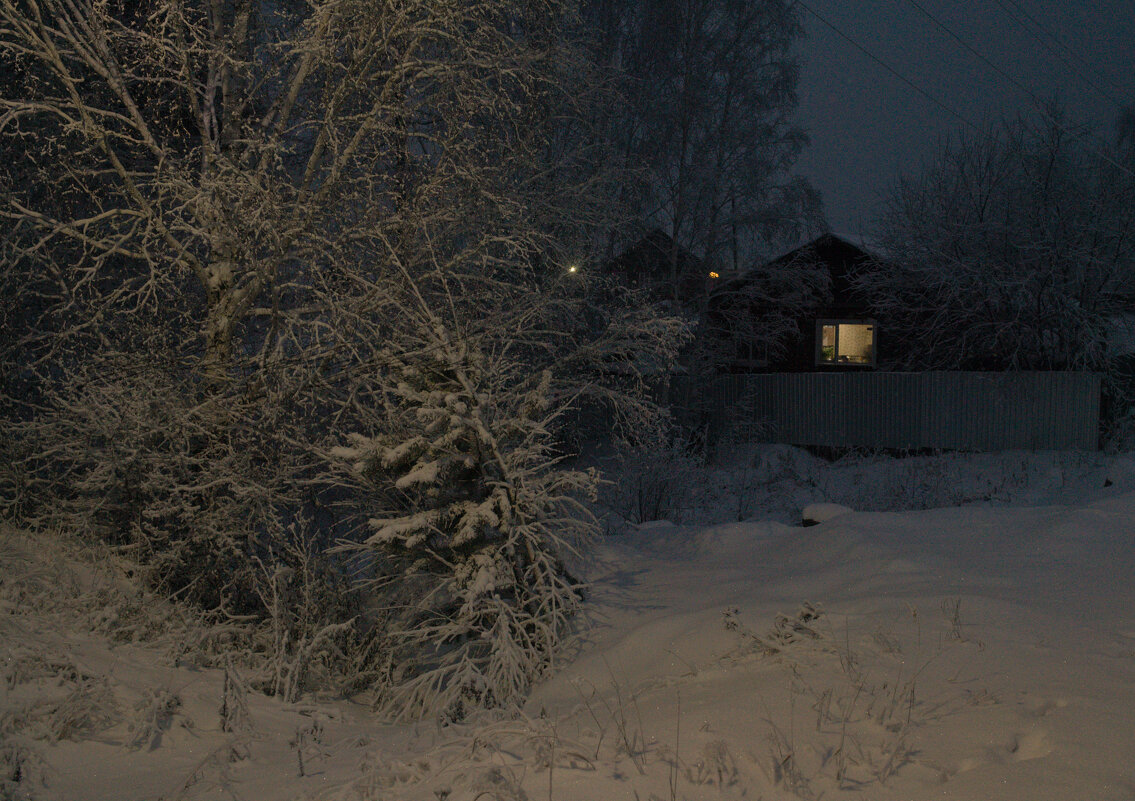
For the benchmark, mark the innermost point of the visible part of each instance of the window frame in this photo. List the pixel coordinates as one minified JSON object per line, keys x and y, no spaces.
{"x":837,"y":322}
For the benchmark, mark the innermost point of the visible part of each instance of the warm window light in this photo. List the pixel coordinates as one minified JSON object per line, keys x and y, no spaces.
{"x":845,"y":342}
{"x":573,"y":268}
{"x":714,"y":275}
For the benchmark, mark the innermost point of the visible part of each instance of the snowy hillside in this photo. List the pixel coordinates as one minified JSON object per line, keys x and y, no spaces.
{"x":974,"y":653}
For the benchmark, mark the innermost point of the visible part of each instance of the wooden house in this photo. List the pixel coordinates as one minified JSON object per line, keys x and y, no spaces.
{"x":827,"y":327}
{"x":813,"y":382}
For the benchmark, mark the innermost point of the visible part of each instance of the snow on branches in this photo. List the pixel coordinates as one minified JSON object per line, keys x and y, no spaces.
{"x":478,"y":521}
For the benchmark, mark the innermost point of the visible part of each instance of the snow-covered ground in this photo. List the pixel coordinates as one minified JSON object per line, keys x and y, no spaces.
{"x":971,"y":653}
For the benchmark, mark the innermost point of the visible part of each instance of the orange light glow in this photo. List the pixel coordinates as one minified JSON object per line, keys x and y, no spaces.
{"x":714,"y":275}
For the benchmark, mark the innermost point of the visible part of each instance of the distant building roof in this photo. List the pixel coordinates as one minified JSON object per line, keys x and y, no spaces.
{"x":834,"y":252}
{"x":825,"y":245}
{"x":647,"y":264}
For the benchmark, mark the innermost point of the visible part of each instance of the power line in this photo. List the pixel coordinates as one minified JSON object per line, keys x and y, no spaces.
{"x":1040,"y":105}
{"x":862,"y":49}
{"x":974,"y":51}
{"x":1082,"y":73}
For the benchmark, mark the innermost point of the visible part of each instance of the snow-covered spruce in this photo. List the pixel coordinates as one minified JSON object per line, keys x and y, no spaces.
{"x":477,"y":520}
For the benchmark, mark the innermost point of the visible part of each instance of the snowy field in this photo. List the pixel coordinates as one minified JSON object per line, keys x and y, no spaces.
{"x":978,"y":651}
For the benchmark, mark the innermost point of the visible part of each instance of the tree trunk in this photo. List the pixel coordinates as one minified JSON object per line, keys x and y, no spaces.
{"x":226,"y":304}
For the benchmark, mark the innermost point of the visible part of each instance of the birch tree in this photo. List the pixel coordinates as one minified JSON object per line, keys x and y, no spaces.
{"x":229,"y":151}
{"x":245,"y":234}
{"x":711,"y":88}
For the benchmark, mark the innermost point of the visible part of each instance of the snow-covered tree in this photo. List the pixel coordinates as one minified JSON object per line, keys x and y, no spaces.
{"x":707,"y":126}
{"x":223,"y":154}
{"x":1014,"y":248}
{"x":233,"y":231}
{"x":475,"y":521}
{"x":756,"y":317}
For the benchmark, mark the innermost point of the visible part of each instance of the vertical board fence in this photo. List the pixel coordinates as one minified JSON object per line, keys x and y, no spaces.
{"x":903,"y":411}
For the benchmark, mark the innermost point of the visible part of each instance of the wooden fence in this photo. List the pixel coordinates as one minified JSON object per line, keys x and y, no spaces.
{"x":906,"y":411}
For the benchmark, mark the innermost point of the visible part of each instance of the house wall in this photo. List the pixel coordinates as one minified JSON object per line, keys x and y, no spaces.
{"x":829,"y":253}
{"x":902,"y":411}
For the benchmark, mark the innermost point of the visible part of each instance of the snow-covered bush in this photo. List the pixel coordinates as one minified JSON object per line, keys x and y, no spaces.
{"x":71,"y":704}
{"x":196,"y":490}
{"x":473,"y":525}
{"x":155,"y":467}
{"x":1012,"y":249}
{"x":654,"y":484}
{"x":154,"y":714}
{"x":188,"y":331}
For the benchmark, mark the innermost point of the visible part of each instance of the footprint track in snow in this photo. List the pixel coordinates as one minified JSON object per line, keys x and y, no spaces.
{"x":1022,"y":746}
{"x":1029,"y":745}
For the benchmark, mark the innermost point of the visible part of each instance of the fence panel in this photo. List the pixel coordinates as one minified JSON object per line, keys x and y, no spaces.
{"x":906,"y":411}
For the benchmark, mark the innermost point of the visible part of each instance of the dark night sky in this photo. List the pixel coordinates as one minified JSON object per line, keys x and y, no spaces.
{"x":867,"y":126}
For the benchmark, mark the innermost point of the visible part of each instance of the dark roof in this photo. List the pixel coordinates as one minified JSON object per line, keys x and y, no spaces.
{"x":647,"y":264}
{"x":837,"y":253}
{"x":654,"y":248}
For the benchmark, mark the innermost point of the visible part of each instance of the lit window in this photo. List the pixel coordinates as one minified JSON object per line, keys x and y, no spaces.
{"x":714,"y":275}
{"x":845,"y":342}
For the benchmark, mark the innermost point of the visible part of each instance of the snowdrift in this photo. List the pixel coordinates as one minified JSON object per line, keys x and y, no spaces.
{"x":972,"y":654}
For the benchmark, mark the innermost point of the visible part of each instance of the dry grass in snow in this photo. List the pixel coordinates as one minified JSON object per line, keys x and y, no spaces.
{"x":973,"y":653}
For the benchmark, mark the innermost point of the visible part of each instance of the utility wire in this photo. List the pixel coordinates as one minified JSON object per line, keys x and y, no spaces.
{"x":1082,"y":72}
{"x":974,"y":51}
{"x":940,"y":104}
{"x":862,"y":49}
{"x":1040,"y":105}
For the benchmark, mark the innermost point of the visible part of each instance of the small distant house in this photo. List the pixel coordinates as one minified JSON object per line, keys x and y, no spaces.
{"x":651,"y":264}
{"x":829,"y":329}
